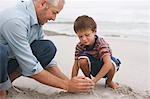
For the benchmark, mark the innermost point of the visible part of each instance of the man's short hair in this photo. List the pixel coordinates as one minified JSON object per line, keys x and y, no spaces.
{"x":54,"y":2}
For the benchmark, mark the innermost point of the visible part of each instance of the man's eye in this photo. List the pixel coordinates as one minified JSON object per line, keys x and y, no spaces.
{"x":54,"y":13}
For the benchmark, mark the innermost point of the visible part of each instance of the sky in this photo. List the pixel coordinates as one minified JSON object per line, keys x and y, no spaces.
{"x":120,"y":9}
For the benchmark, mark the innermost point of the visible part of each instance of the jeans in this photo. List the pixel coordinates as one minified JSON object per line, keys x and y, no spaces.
{"x":44,"y":51}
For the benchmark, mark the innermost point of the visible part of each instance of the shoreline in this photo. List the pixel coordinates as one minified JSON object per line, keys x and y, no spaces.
{"x":147,"y":39}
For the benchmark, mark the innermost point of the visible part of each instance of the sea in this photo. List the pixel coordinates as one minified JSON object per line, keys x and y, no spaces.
{"x":114,"y":18}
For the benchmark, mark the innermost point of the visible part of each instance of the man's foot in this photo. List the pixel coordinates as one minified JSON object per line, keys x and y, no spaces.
{"x":3,"y":95}
{"x":112,"y":85}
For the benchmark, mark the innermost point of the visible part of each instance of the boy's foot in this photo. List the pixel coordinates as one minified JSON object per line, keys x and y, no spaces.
{"x":112,"y":85}
{"x":3,"y":95}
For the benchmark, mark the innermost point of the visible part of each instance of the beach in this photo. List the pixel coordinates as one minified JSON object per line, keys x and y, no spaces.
{"x":132,"y":76}
{"x":123,"y":24}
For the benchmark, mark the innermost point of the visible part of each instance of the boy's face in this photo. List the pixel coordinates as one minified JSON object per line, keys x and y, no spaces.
{"x":86,"y":37}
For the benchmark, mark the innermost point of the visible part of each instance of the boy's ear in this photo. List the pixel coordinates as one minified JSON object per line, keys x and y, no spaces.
{"x":94,"y":32}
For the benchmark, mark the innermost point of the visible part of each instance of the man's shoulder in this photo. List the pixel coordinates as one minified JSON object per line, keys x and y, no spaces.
{"x":13,"y":16}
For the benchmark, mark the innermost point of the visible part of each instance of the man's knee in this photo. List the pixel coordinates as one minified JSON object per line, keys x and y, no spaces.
{"x":44,"y":50}
{"x":51,"y":48}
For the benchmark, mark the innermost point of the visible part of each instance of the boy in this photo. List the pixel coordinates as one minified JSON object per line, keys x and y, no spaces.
{"x":93,"y":55}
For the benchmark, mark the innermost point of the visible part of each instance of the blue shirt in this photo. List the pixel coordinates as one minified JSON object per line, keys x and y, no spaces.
{"x":18,"y":29}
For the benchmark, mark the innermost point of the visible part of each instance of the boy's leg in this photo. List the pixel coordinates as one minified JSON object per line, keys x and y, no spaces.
{"x":45,"y":51}
{"x":84,"y":66}
{"x":84,"y":62}
{"x":115,"y":66}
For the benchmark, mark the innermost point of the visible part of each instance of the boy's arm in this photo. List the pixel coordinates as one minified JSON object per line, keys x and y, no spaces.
{"x":105,"y":68}
{"x":75,"y":69}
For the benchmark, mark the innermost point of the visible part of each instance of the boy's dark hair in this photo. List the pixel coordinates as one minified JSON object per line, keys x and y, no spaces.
{"x":84,"y":22}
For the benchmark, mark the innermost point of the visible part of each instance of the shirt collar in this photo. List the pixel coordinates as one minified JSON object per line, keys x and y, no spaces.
{"x":31,"y":9}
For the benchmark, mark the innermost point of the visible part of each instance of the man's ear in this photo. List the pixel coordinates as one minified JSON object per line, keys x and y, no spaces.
{"x":43,"y":3}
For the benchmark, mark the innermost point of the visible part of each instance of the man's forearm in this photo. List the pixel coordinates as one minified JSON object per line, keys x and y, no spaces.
{"x":47,"y":78}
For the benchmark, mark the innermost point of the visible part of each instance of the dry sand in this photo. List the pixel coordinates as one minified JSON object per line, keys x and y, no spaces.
{"x":132,"y":76}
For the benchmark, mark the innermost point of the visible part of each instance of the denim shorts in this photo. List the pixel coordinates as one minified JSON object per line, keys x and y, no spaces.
{"x":95,"y":64}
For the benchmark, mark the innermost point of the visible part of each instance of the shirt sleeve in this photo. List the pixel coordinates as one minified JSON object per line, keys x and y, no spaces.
{"x":78,"y":50}
{"x":15,"y":33}
{"x":104,"y":48}
{"x":41,"y":33}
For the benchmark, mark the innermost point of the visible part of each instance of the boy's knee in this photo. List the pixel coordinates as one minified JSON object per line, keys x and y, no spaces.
{"x":83,"y":62}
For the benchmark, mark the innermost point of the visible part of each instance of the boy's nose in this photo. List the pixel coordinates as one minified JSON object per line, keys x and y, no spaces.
{"x":84,"y":38}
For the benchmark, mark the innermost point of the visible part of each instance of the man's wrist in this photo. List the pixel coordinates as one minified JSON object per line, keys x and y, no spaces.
{"x":66,"y":85}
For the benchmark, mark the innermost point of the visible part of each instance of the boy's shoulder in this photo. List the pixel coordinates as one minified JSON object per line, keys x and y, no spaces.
{"x":99,"y":38}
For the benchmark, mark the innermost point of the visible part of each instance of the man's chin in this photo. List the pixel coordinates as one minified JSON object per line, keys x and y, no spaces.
{"x":41,"y":23}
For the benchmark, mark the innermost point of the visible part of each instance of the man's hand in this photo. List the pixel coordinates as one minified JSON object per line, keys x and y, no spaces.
{"x":80,"y":84}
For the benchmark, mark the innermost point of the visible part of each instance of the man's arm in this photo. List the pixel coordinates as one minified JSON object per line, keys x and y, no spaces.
{"x":15,"y":32}
{"x":76,"y":84}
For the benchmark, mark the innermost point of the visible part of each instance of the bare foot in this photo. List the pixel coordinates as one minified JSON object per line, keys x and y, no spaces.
{"x":112,"y":85}
{"x":3,"y":95}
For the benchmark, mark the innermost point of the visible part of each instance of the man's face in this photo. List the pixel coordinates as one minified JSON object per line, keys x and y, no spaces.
{"x":48,"y":12}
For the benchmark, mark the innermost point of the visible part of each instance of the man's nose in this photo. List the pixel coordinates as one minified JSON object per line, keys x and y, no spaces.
{"x":54,"y":17}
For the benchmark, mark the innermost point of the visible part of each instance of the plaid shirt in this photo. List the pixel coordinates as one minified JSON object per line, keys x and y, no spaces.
{"x":98,"y":50}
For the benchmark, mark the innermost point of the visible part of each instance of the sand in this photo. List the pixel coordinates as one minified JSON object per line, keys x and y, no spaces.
{"x":132,"y":76}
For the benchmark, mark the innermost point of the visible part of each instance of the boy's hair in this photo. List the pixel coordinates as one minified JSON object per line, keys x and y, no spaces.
{"x":84,"y":22}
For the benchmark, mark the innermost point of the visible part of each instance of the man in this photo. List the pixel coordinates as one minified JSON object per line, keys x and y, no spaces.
{"x":24,"y":52}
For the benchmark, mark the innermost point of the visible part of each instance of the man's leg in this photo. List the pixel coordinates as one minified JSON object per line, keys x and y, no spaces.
{"x":5,"y":82}
{"x":3,"y":94}
{"x":45,"y":51}
{"x":13,"y":69}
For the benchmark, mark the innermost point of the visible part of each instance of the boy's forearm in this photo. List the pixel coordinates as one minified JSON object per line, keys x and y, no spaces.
{"x":47,"y":78}
{"x":74,"y":71}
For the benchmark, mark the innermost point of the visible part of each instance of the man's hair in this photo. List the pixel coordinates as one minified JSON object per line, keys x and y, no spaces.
{"x":84,"y":22}
{"x":52,"y":2}
{"x":55,"y":2}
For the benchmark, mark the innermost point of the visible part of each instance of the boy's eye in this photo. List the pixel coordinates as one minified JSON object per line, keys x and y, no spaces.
{"x":87,"y":34}
{"x":80,"y":36}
